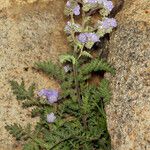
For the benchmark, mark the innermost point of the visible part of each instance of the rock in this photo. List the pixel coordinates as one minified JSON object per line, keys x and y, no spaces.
{"x":28,"y":33}
{"x":8,"y":3}
{"x":129,"y":110}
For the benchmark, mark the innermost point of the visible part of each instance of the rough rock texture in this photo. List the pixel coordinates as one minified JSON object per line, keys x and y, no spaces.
{"x":29,"y":32}
{"x":129,"y":110}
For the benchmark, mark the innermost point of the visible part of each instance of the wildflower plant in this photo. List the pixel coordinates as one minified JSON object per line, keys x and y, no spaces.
{"x":73,"y":117}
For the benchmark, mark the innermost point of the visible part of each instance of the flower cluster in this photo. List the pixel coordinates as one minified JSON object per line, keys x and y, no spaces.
{"x":72,"y":27}
{"x":73,"y":8}
{"x":51,"y":118}
{"x":52,"y":97}
{"x":105,"y":26}
{"x":105,"y":3}
{"x":108,"y":23}
{"x":108,"y":4}
{"x":88,"y":37}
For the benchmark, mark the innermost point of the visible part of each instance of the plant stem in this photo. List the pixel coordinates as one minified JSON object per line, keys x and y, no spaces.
{"x":75,"y":68}
{"x":75,"y":71}
{"x":83,"y":26}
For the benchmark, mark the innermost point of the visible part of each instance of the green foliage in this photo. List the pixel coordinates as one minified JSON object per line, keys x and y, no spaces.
{"x":31,"y":146}
{"x":96,"y":65}
{"x":67,"y":58}
{"x":104,"y":90}
{"x":20,"y":91}
{"x":51,"y":69}
{"x":18,"y":132}
{"x":86,"y":54}
{"x":77,"y":126}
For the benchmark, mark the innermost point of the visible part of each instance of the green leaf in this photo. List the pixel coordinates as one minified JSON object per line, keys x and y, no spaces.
{"x":51,"y":69}
{"x":96,"y":65}
{"x":86,"y":54}
{"x":31,"y":146}
{"x":101,"y":32}
{"x":67,"y":58}
{"x":20,"y":91}
{"x":89,"y":45}
{"x":104,"y":90}
{"x":16,"y":131}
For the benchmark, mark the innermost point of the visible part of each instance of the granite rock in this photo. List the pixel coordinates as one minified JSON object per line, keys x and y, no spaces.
{"x":129,"y":110}
{"x":30,"y":31}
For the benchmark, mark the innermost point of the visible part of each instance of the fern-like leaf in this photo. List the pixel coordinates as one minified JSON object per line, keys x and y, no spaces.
{"x":104,"y":90}
{"x":96,"y":65}
{"x":16,"y":131}
{"x":20,"y":91}
{"x":86,"y":54}
{"x":51,"y":70}
{"x":31,"y":146}
{"x":67,"y":58}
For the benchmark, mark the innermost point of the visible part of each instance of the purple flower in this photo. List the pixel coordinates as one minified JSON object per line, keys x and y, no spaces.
{"x":109,"y":23}
{"x":42,"y":92}
{"x":72,"y":26}
{"x":68,"y":27}
{"x":108,"y":4}
{"x":51,"y":118}
{"x":68,"y":4}
{"x":92,"y":37}
{"x":51,"y":95}
{"x":88,"y":37}
{"x":82,"y":37}
{"x":75,"y":9}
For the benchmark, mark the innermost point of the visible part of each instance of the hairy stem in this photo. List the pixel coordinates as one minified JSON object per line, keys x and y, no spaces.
{"x":75,"y":68}
{"x":75,"y":72}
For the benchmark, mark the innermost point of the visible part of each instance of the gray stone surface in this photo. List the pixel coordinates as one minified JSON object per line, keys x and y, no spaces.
{"x":129,"y":110}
